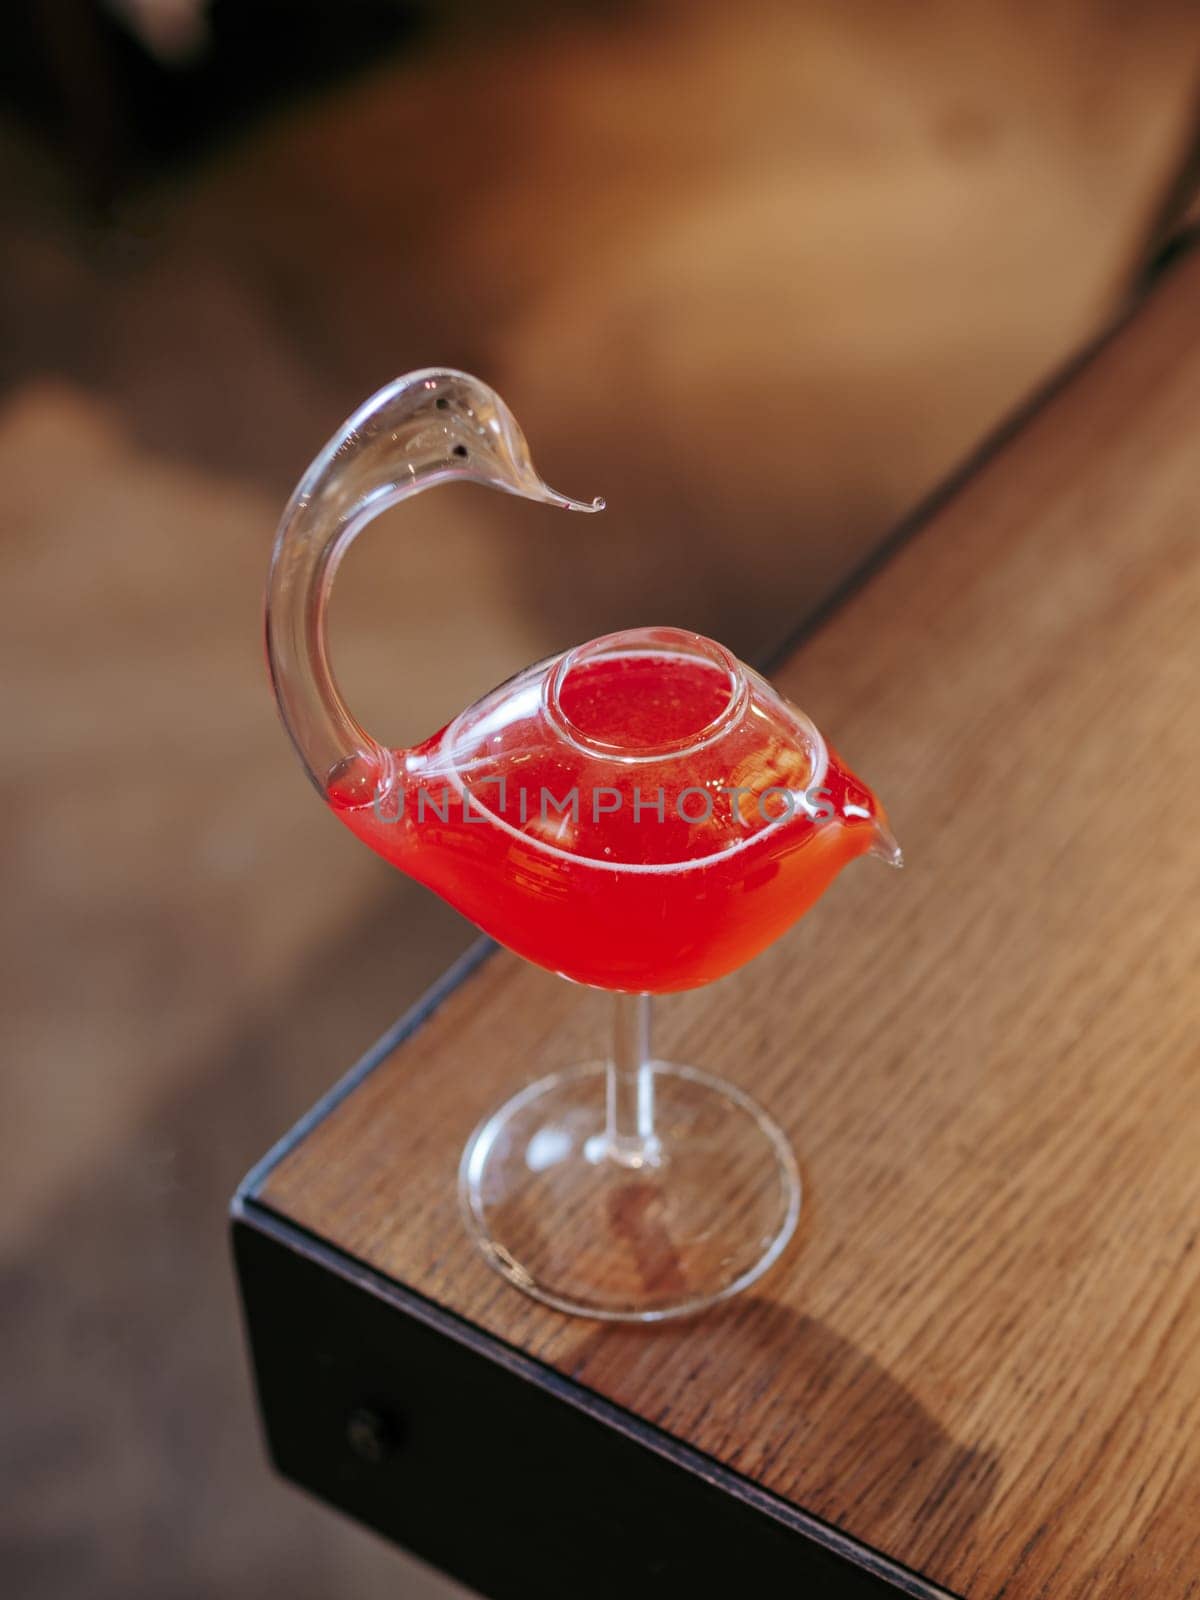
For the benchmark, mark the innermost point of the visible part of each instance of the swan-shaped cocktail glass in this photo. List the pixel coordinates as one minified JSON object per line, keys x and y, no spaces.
{"x":642,"y":814}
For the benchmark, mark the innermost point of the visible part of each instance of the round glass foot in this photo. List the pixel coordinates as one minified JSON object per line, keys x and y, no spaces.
{"x":631,"y":1230}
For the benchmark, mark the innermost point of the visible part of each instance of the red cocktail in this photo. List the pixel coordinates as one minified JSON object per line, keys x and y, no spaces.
{"x":646,"y":816}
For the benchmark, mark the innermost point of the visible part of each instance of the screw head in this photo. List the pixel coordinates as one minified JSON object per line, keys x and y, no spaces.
{"x":370,"y":1435}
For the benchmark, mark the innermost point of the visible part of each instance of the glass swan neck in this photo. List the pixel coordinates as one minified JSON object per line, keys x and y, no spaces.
{"x":431,"y":427}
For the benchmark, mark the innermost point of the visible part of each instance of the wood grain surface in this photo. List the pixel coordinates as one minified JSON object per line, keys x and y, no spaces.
{"x":981,"y":1355}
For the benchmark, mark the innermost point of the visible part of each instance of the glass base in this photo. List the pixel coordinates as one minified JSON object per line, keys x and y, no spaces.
{"x":640,"y":1232}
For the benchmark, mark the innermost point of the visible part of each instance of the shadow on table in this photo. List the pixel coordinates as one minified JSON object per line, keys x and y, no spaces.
{"x":846,"y":1439}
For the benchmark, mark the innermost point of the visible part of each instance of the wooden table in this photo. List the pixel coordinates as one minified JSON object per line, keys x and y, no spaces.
{"x":977,"y":1369}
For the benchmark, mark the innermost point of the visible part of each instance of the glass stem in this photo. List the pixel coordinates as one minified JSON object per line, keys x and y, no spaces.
{"x":629,"y":1136}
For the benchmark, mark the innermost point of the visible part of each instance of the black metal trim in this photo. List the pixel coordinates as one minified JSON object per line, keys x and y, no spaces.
{"x":830,"y":1540}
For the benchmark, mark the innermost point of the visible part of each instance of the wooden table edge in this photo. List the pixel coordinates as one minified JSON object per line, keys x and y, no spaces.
{"x":249,"y":1210}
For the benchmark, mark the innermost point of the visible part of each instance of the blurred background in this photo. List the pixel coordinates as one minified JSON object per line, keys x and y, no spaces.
{"x":763,"y":275}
